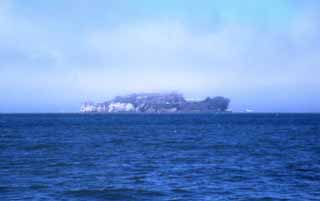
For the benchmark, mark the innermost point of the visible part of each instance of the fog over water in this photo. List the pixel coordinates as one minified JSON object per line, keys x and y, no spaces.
{"x":263,"y":55}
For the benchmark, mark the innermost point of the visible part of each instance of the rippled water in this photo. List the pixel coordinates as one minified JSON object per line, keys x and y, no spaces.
{"x":160,"y":157}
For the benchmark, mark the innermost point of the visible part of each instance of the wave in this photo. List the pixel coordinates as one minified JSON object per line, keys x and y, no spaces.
{"x":114,"y":194}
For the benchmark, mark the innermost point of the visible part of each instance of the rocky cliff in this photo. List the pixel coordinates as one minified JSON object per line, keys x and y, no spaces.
{"x":156,"y":103}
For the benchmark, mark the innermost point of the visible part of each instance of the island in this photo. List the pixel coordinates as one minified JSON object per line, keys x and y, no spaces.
{"x":157,"y":103}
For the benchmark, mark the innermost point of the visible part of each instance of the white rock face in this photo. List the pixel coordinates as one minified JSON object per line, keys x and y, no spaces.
{"x":121,"y":107}
{"x":88,"y":107}
{"x":170,"y":110}
{"x":101,"y":108}
{"x":112,"y":107}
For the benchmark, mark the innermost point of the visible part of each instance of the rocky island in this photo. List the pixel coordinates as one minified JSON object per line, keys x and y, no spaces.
{"x":157,"y":103}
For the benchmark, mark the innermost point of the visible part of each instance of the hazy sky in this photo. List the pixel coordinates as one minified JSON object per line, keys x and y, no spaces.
{"x":263,"y":54}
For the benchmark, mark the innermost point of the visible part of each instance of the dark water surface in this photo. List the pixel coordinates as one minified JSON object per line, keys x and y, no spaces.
{"x":160,"y":157}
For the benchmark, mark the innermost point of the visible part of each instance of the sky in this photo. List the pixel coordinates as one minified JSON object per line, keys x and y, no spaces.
{"x":262,"y":54}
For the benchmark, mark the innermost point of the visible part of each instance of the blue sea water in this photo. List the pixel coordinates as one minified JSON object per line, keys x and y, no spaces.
{"x":160,"y":157}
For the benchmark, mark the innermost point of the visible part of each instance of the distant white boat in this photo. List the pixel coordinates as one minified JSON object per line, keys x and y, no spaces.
{"x":249,"y":111}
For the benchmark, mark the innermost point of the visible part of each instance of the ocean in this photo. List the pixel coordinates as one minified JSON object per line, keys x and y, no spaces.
{"x":155,"y":157}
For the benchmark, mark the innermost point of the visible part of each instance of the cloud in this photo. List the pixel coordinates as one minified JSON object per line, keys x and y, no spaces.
{"x":238,"y":52}
{"x":23,"y":44}
{"x":241,"y":60}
